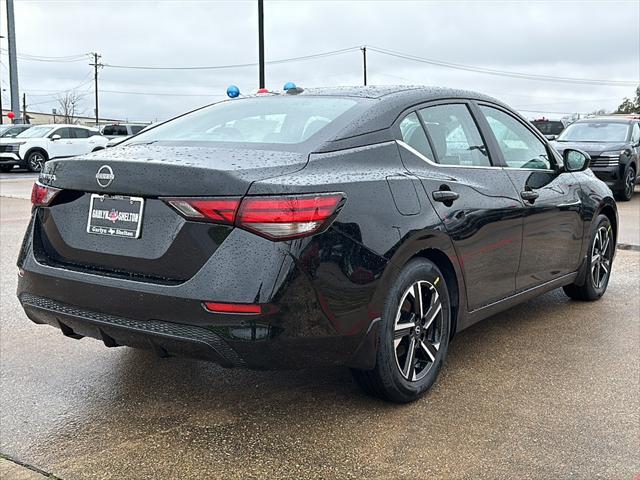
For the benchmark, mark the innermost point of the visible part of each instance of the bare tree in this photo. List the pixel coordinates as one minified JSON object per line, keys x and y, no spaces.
{"x":69,"y":104}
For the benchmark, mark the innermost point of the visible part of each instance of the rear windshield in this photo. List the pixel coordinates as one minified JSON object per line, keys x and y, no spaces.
{"x":273,"y":119}
{"x":114,"y":130}
{"x":595,"y":132}
{"x":548,"y":127}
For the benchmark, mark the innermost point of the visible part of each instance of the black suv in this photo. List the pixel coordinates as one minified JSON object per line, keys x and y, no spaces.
{"x":614,"y":146}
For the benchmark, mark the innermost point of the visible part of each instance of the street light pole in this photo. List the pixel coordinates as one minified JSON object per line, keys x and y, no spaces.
{"x":261,"y":42}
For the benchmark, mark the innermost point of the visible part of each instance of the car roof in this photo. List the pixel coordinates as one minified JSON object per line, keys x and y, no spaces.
{"x":58,"y":125}
{"x":398,"y":93}
{"x":607,"y":119}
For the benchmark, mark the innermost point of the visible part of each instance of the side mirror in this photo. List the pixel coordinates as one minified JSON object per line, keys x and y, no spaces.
{"x":575,"y":160}
{"x":55,"y":137}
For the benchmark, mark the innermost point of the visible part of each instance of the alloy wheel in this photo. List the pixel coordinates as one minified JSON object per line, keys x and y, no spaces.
{"x":601,"y":257}
{"x":418,"y":330}
{"x":629,"y":183}
{"x":36,"y":161}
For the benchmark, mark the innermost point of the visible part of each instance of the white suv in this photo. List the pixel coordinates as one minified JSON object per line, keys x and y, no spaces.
{"x":40,"y":143}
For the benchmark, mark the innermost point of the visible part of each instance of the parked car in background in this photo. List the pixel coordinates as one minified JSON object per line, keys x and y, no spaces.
{"x":614,"y":145}
{"x":357,"y":226}
{"x":119,"y":132}
{"x":10,"y":131}
{"x":40,"y":143}
{"x":550,"y":128}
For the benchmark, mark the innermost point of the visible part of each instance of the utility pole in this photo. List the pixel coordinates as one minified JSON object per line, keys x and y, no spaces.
{"x":25,"y":119}
{"x":1,"y":115}
{"x":261,"y":41}
{"x":13,"y":63}
{"x":95,"y":66}
{"x":364,"y":63}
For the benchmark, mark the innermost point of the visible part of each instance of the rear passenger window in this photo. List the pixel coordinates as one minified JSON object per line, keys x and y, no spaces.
{"x":455,"y":136}
{"x":80,"y":132}
{"x":414,"y":136}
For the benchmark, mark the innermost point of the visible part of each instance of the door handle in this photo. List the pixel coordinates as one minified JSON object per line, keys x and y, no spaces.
{"x":529,"y":195}
{"x":445,"y":196}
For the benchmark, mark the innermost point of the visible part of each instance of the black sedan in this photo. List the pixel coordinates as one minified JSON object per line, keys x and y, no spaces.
{"x":349,"y":226}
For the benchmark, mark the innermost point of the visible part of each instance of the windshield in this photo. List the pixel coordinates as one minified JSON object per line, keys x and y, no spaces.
{"x":595,"y":132}
{"x":274,"y":119}
{"x":11,"y":131}
{"x":547,"y":127}
{"x":35,"y":132}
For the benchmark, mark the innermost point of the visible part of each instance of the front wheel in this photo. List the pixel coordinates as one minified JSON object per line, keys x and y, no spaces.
{"x":414,"y":335}
{"x":629,"y":184}
{"x":35,"y":161}
{"x":599,"y":263}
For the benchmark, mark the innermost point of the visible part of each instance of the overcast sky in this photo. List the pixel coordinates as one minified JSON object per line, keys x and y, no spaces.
{"x":586,"y":39}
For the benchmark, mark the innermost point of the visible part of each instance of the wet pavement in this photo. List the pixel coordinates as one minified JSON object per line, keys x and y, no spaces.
{"x":548,"y":389}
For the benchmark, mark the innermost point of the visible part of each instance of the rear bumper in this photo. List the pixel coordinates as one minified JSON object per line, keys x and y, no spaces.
{"x":324,"y":313}
{"x":164,"y":338}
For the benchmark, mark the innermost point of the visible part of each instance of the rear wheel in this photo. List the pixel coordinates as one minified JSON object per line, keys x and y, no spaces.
{"x":629,"y":184}
{"x":600,"y":259}
{"x":414,"y":335}
{"x":35,"y":161}
{"x":6,"y":168}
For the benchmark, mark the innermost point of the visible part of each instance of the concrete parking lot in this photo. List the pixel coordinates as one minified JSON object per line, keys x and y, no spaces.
{"x":549,"y":389}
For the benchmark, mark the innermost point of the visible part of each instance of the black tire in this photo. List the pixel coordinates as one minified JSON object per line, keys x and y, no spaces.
{"x":6,"y":168}
{"x":35,"y":160}
{"x":405,"y":383}
{"x":628,"y":185}
{"x":589,"y":290}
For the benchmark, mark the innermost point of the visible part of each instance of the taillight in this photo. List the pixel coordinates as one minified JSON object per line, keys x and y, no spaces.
{"x":217,"y":210}
{"x":238,"y":308}
{"x":273,"y":217}
{"x":284,"y":218}
{"x":42,"y":195}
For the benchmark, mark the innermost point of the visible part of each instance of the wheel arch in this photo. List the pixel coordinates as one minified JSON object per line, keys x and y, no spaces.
{"x":36,"y":149}
{"x":444,"y":264}
{"x":609,"y":211}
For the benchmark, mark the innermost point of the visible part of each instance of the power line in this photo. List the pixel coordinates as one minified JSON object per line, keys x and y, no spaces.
{"x":236,"y":65}
{"x":503,"y":73}
{"x":42,"y":58}
{"x":124,"y":92}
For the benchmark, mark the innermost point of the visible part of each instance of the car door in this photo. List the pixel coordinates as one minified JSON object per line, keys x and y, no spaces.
{"x":550,"y":203}
{"x":474,"y":199}
{"x":80,"y":141}
{"x":62,"y":147}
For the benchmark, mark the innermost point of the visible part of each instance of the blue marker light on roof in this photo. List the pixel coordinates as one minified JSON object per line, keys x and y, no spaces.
{"x":233,"y":91}
{"x":289,"y":86}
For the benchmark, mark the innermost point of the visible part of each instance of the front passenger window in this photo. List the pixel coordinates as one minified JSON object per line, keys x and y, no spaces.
{"x":520,"y":147}
{"x":63,"y":132}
